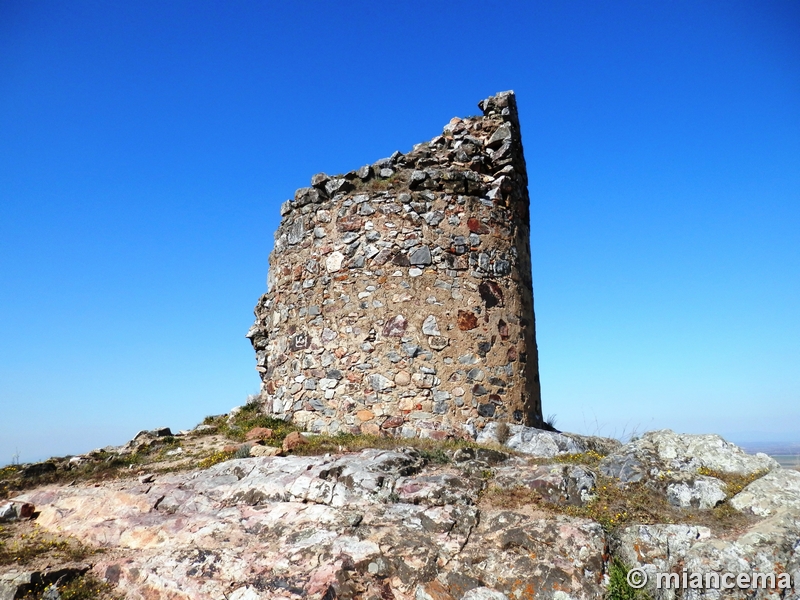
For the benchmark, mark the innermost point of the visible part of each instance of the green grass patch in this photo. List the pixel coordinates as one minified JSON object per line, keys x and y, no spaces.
{"x":618,"y":586}
{"x":248,"y":417}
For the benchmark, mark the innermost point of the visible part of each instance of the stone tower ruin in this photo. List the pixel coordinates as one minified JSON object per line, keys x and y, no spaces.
{"x":400,"y":298}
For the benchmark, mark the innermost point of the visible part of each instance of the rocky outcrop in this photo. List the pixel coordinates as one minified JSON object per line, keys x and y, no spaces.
{"x":378,"y":522}
{"x":770,"y":494}
{"x":659,"y":454}
{"x":771,"y":547}
{"x":473,"y":522}
{"x":400,"y":298}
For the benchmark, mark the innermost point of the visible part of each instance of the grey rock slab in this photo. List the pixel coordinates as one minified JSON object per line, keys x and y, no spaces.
{"x":657,"y":548}
{"x":379,"y":383}
{"x":502,"y":134}
{"x":334,"y":186}
{"x":698,"y":492}
{"x":778,"y":489}
{"x":438,"y":490}
{"x":627,"y":469}
{"x":296,"y":232}
{"x":665,"y":451}
{"x":536,"y":442}
{"x":418,"y":176}
{"x":554,"y":552}
{"x":769,"y":546}
{"x":365,"y":478}
{"x":8,"y":512}
{"x":433,"y":218}
{"x":420,"y":256}
{"x":319,"y":180}
{"x":430,"y":327}
{"x":559,"y":484}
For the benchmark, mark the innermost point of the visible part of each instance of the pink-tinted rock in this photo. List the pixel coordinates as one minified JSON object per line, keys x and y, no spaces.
{"x":258,"y":433}
{"x":395,"y":327}
{"x":349,"y":223}
{"x":293,"y":441}
{"x":502,"y":329}
{"x":393,"y":422}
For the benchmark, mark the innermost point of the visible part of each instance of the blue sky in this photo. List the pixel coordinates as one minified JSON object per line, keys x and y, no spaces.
{"x":145,"y":148}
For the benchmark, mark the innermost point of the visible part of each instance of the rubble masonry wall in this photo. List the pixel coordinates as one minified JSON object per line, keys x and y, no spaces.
{"x":399,"y":295}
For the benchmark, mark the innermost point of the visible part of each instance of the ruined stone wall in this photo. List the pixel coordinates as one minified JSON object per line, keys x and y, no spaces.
{"x":399,"y":295}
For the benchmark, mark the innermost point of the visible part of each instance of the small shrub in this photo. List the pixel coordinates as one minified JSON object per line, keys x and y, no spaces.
{"x":618,"y":586}
{"x":8,"y":471}
{"x":250,"y":416}
{"x":589,"y":458}
{"x":436,"y":456}
{"x":215,"y":458}
{"x":242,"y":452}
{"x":615,"y":506}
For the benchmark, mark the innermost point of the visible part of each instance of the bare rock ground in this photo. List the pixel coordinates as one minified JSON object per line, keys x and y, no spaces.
{"x":467,"y":522}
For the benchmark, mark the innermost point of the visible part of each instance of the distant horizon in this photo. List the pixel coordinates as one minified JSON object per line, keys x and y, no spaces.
{"x":773,"y":448}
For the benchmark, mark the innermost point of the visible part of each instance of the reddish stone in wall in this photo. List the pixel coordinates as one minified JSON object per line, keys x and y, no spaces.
{"x":467,"y":320}
{"x":392,"y":422}
{"x":475,"y":226}
{"x":350,"y":223}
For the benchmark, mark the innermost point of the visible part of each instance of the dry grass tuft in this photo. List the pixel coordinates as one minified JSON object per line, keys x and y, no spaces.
{"x":215,"y":458}
{"x":20,"y":545}
{"x":736,"y":483}
{"x":616,"y":506}
{"x":590,"y":458}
